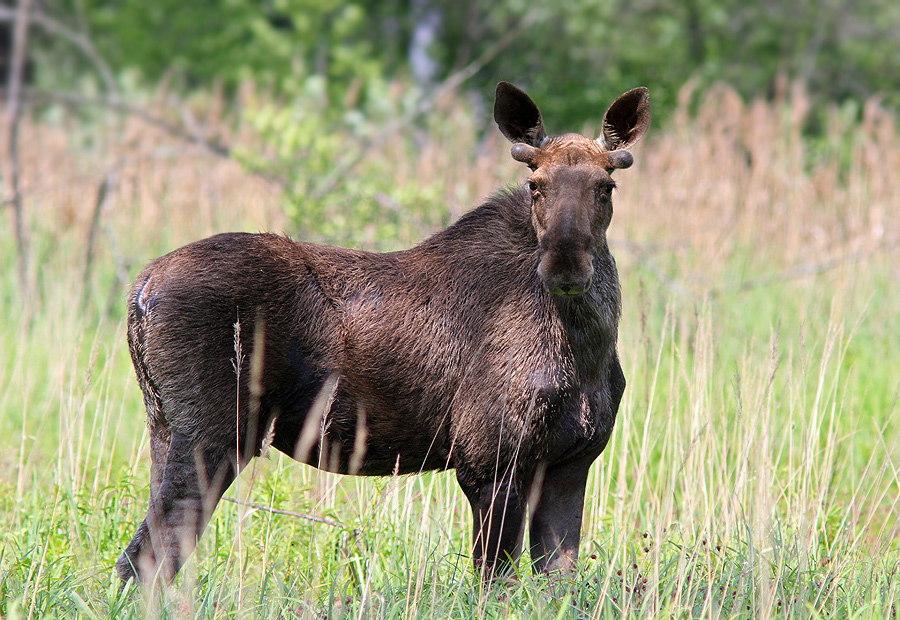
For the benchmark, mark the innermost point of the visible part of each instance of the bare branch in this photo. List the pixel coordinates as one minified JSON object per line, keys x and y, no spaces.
{"x":13,"y":116}
{"x":424,"y":105}
{"x":642,"y":255}
{"x":289,"y":513}
{"x":104,"y":194}
{"x":809,"y":269}
{"x":357,"y":534}
{"x":193,"y":137}
{"x":58,"y":29}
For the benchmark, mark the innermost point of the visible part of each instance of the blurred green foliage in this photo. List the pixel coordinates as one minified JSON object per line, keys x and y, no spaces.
{"x":339,"y":75}
{"x":574,"y":56}
{"x":310,"y":153}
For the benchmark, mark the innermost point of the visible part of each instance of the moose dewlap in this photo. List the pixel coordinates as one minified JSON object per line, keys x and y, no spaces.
{"x":490,"y":348}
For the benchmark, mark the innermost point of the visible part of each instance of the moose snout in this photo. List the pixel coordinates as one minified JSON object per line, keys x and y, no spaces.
{"x":566,"y":274}
{"x":566,"y":263}
{"x":568,"y":286}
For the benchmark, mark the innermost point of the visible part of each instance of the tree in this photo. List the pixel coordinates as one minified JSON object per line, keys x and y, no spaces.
{"x":575,"y":55}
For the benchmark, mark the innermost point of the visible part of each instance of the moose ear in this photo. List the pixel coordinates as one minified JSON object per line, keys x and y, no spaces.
{"x":626,"y":120}
{"x":517,"y":116}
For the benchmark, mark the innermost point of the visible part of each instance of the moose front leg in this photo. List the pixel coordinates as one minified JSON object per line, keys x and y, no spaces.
{"x":498,"y":526}
{"x":556,"y":522}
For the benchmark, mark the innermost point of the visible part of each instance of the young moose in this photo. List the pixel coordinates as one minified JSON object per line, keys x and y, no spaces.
{"x":489,"y":348}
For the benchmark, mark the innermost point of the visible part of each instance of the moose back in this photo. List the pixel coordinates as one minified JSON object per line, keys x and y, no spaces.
{"x":489,"y":348}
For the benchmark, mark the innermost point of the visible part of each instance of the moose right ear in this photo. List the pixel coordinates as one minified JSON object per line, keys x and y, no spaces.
{"x":517,"y":116}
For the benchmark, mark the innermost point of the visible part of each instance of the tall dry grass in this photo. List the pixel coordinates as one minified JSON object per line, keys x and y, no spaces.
{"x":726,"y":175}
{"x":737,"y":173}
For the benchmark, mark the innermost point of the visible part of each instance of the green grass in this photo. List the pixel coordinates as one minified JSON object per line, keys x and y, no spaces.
{"x":754,"y":471}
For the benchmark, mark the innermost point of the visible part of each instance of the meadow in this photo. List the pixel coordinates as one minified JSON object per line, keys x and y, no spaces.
{"x":754,"y":471}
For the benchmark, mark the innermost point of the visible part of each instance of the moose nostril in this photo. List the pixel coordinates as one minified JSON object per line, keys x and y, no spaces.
{"x":568,"y":289}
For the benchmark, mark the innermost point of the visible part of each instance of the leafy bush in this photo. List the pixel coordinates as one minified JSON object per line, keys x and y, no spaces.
{"x":334,"y":190}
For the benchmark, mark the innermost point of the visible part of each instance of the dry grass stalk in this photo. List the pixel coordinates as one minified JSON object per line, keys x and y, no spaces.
{"x":731,"y":177}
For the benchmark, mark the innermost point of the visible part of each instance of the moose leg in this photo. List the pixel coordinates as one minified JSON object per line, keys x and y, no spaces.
{"x":498,"y":522}
{"x":556,"y":522}
{"x":192,"y":484}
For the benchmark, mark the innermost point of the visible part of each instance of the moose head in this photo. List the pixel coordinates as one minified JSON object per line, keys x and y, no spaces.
{"x":571,"y":183}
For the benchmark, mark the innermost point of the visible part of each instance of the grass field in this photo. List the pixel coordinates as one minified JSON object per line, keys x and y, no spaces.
{"x":755,"y":467}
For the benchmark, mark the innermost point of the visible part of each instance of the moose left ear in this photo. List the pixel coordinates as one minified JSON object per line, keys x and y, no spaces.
{"x":626,"y":120}
{"x":517,"y":116}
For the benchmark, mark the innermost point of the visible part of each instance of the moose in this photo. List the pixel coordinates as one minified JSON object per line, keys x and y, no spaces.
{"x":489,"y":348}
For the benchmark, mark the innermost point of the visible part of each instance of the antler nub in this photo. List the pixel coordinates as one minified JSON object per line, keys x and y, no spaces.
{"x":524,"y":153}
{"x":620,"y":159}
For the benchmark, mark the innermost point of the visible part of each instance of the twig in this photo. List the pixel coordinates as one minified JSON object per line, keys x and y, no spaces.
{"x":122,"y":276}
{"x":14,"y":112}
{"x":104,"y":193}
{"x":357,"y":534}
{"x":641,"y":254}
{"x":59,"y":30}
{"x":809,"y":269}
{"x":189,"y":135}
{"x":66,"y":182}
{"x":289,"y":513}
{"x":341,"y":169}
{"x":428,"y":102}
{"x":122,"y":107}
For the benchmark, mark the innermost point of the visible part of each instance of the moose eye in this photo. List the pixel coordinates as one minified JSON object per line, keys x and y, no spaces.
{"x":532,"y":186}
{"x":604,"y":192}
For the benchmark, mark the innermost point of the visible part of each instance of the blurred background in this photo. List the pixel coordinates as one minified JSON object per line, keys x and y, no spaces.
{"x":379,"y":113}
{"x":571,"y":55}
{"x":757,"y":239}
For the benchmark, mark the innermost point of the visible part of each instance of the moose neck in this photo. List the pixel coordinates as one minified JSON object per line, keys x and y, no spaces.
{"x":590,"y":320}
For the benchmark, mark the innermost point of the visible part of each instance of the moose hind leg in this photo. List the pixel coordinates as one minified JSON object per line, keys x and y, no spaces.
{"x":192,"y":483}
